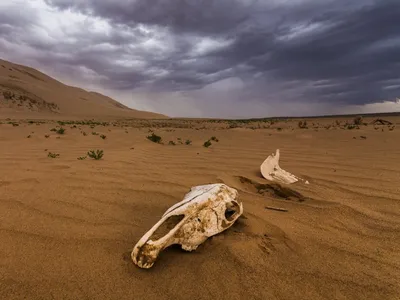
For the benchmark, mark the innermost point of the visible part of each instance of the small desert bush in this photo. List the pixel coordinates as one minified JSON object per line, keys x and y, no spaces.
{"x":98,"y":154}
{"x":350,"y":126}
{"x":171,"y":143}
{"x":303,"y":124}
{"x":358,"y":120}
{"x":154,"y":138}
{"x":94,"y":133}
{"x":213,"y":138}
{"x":188,"y":142}
{"x":8,"y":95}
{"x":82,"y":158}
{"x":53,"y":155}
{"x":60,"y":131}
{"x":103,"y":136}
{"x":207,"y":144}
{"x":47,"y":136}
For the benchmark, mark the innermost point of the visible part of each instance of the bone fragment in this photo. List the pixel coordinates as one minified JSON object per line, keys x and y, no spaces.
{"x":271,"y":170}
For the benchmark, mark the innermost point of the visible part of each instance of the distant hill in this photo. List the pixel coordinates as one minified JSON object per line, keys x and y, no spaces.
{"x":28,"y":92}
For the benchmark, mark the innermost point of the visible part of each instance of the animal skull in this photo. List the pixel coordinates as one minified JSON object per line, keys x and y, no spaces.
{"x":205,"y":211}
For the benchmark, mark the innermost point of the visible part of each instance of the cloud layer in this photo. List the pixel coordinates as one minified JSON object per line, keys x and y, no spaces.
{"x":226,"y":58}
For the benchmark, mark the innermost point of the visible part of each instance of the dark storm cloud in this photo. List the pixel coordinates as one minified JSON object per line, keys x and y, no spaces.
{"x":203,"y":16}
{"x":308,"y":51}
{"x":354,"y":45}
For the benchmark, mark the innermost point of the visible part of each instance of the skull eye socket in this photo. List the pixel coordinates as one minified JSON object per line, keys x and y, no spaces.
{"x":232,"y":209}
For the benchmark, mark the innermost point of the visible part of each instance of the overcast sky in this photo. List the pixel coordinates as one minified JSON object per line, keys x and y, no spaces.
{"x":215,"y":58}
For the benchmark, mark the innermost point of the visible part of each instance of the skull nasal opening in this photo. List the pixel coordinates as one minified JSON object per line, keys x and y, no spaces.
{"x":166,"y":227}
{"x":232,"y":208}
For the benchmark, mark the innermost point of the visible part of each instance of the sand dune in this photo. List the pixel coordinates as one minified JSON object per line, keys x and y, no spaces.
{"x":28,"y":93}
{"x":67,"y":226}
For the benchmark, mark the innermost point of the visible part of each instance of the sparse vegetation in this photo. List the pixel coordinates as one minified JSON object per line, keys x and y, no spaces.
{"x":8,"y":95}
{"x":94,"y":133}
{"x":213,"y":138}
{"x":358,"y":121}
{"x":188,"y":142}
{"x":29,"y":136}
{"x":47,"y":136}
{"x":60,"y":131}
{"x":103,"y":136}
{"x":89,"y":123}
{"x":207,"y":144}
{"x":53,"y":155}
{"x":82,"y":158}
{"x":154,"y":138}
{"x":98,"y":154}
{"x":303,"y":124}
{"x":350,"y":127}
{"x":171,"y":143}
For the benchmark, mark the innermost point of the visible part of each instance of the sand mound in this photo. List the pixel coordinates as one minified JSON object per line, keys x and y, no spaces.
{"x":28,"y":93}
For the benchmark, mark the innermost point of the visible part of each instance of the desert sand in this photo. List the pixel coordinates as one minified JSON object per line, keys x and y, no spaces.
{"x":68,"y":226}
{"x":68,"y":223}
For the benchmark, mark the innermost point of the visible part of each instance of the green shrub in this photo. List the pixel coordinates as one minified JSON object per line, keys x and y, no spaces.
{"x":207,"y":144}
{"x":303,"y":124}
{"x":98,"y":154}
{"x":154,"y":138}
{"x":213,"y":138}
{"x":53,"y":155}
{"x":358,"y":120}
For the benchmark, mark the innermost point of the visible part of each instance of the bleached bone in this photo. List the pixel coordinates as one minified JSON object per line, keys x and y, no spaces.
{"x":205,"y":211}
{"x":271,"y":170}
